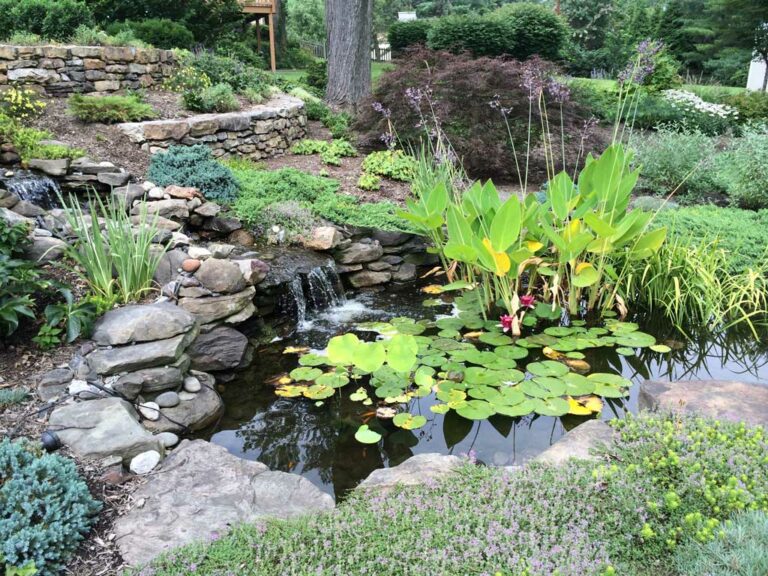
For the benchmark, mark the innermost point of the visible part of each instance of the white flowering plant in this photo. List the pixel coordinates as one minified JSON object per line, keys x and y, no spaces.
{"x":702,"y":115}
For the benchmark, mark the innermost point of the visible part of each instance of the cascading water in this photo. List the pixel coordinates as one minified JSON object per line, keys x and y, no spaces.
{"x":296,"y":291}
{"x":324,"y":289}
{"x":37,"y":189}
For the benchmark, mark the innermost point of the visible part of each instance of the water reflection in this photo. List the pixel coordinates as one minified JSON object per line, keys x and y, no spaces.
{"x":318,"y":441}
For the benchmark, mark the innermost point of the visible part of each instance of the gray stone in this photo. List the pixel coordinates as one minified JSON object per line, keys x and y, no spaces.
{"x":142,"y":323}
{"x":368,"y":278}
{"x":51,"y":167}
{"x":379,"y":266}
{"x":208,"y":209}
{"x":127,"y":195}
{"x":107,"y":361}
{"x":192,"y":384}
{"x":161,"y":378}
{"x":404,"y":273}
{"x":209,"y":310}
{"x":418,"y":469}
{"x":12,"y":218}
{"x":150,"y":411}
{"x":723,"y":399}
{"x":45,"y":249}
{"x":28,"y":209}
{"x":167,"y":399}
{"x":579,"y":443}
{"x":190,"y":415}
{"x":54,"y":383}
{"x":8,"y":199}
{"x":145,"y":462}
{"x":219,"y":250}
{"x":244,"y":314}
{"x":222,"y":224}
{"x":84,"y":391}
{"x":253,"y":270}
{"x":222,"y":348}
{"x":387,"y":238}
{"x":169,"y":266}
{"x":169,"y":439}
{"x":201,"y":490}
{"x":186,"y":396}
{"x":220,"y":276}
{"x":129,"y":385}
{"x":114,"y":178}
{"x":323,"y":238}
{"x":165,"y":208}
{"x":199,"y":253}
{"x":359,"y":253}
{"x":101,"y":428}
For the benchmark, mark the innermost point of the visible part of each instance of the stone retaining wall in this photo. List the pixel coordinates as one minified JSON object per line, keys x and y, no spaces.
{"x":62,"y":70}
{"x":262,"y":131}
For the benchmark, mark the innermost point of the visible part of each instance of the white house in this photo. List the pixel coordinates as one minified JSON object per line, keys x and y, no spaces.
{"x":406,"y":16}
{"x":757,"y":72}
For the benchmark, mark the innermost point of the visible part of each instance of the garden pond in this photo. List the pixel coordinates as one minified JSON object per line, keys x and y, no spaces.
{"x":317,"y":437}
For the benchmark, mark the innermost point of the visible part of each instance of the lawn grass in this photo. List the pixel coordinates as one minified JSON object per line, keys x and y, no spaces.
{"x":705,"y":91}
{"x":377,"y":69}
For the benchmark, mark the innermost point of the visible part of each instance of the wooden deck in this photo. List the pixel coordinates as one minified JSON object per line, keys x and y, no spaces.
{"x":263,"y":9}
{"x":258,"y":6}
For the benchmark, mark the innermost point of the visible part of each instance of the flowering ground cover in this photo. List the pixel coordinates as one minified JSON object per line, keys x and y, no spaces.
{"x":668,"y":484}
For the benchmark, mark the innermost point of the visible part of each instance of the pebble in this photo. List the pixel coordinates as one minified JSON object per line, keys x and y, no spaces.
{"x":167,"y":399}
{"x":156,"y":193}
{"x":150,"y":410}
{"x":198,"y":252}
{"x":190,"y":265}
{"x":186,"y":396}
{"x":168,"y":439}
{"x":221,"y":250}
{"x":83,"y":390}
{"x":192,"y":384}
{"x":145,"y":462}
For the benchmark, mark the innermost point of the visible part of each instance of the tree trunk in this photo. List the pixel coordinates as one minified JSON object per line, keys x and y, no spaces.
{"x":281,"y":34}
{"x":348,"y":24}
{"x":765,"y":75}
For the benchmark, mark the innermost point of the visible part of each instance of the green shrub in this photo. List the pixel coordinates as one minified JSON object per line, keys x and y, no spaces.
{"x":393,"y":164}
{"x":330,"y":152}
{"x":368,"y":181}
{"x":682,"y":161}
{"x":28,"y":16}
{"x":316,"y":110}
{"x":85,"y":35}
{"x":747,"y":170}
{"x":9,"y":397}
{"x":751,"y":105}
{"x":317,"y":74}
{"x":260,"y":189}
{"x":63,"y":16}
{"x":226,"y":70}
{"x":742,"y":548}
{"x":110,"y":109}
{"x":474,"y":34}
{"x":193,"y":166}
{"x":216,"y":98}
{"x":45,"y":507}
{"x":26,"y":141}
{"x":402,"y":35}
{"x":159,"y":32}
{"x":665,"y":74}
{"x":533,"y":29}
{"x":337,"y":123}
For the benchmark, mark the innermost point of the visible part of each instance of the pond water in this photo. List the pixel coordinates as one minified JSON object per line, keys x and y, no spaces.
{"x":295,"y":435}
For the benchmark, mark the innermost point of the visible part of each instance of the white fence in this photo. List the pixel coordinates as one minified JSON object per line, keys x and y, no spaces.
{"x":379,"y":53}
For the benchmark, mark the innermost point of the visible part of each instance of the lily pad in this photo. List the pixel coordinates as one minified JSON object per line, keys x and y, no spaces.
{"x":333,"y":380}
{"x":534,"y":389}
{"x":319,"y":392}
{"x":624,"y":351}
{"x":365,"y":435}
{"x":359,"y":395}
{"x":610,"y":379}
{"x":433,"y":360}
{"x":476,"y":410}
{"x":511,"y":352}
{"x":509,"y":396}
{"x":547,"y":368}
{"x":661,"y":348}
{"x":306,"y":374}
{"x":451,"y":395}
{"x":313,"y":360}
{"x":290,"y":391}
{"x":483,"y":393}
{"x":635,"y":340}
{"x":516,"y":410}
{"x":551,"y":407}
{"x":439,"y":408}
{"x":555,"y":386}
{"x":578,"y":385}
{"x":609,"y":391}
{"x":409,"y":421}
{"x":495,"y":339}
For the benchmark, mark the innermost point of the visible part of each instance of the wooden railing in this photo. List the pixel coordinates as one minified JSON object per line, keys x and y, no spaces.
{"x":258,"y":5}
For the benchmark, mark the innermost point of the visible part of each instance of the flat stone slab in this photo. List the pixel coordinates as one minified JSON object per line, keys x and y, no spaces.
{"x":579,"y":443}
{"x":101,"y":428}
{"x":142,"y":323}
{"x":201,"y":490}
{"x":724,"y":399}
{"x":134,"y":357}
{"x":196,"y":413}
{"x":418,"y":469}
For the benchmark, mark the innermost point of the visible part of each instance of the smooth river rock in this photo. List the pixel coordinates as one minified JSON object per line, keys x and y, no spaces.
{"x":199,"y":492}
{"x":723,"y":399}
{"x":220,"y":276}
{"x":418,"y":469}
{"x":142,"y":323}
{"x":191,"y":414}
{"x":101,"y":428}
{"x":579,"y":443}
{"x":145,"y":462}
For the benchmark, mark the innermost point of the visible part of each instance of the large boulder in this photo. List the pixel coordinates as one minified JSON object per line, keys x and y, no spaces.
{"x":45,"y":249}
{"x":579,"y":443}
{"x":166,"y":208}
{"x":220,"y":276}
{"x":359,"y":253}
{"x":222,"y":348}
{"x":106,"y":361}
{"x":215,"y":308}
{"x":323,"y":238}
{"x":194,"y":412}
{"x":101,"y":428}
{"x":199,"y":492}
{"x":366,"y":278}
{"x":725,"y":399}
{"x":418,"y":469}
{"x":142,"y":323}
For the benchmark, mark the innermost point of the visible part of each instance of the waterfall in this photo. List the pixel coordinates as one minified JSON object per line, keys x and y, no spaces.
{"x":324,"y":288}
{"x":37,"y":189}
{"x":296,"y":291}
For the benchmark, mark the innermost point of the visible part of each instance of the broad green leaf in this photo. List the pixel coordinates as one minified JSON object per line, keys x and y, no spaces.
{"x":369,"y":356}
{"x":505,"y":228}
{"x":306,"y":373}
{"x":341,"y":349}
{"x":333,"y":380}
{"x":408,"y":421}
{"x":365,"y":435}
{"x":401,"y":352}
{"x":476,"y":410}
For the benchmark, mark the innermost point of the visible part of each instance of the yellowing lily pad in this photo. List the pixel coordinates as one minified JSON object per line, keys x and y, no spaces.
{"x":318,"y":392}
{"x":408,"y":421}
{"x":306,"y":374}
{"x":290,"y":391}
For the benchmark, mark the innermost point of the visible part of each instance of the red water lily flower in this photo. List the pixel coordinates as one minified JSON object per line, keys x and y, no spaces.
{"x":506,"y":322}
{"x":527,"y":301}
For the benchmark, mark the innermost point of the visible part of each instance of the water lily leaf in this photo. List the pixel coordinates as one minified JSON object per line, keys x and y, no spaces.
{"x":534,"y":389}
{"x":593,"y":403}
{"x":661,"y":348}
{"x":577,"y":408}
{"x":447,"y":344}
{"x":551,"y":406}
{"x":480,"y":357}
{"x":333,"y":380}
{"x":401,"y":352}
{"x":439,"y":408}
{"x":609,"y":391}
{"x":385,"y":412}
{"x":555,"y":386}
{"x":432,"y":289}
{"x":367,"y":402}
{"x":621,"y":327}
{"x":477,"y":375}
{"x":369,"y":356}
{"x":383,"y":328}
{"x":388,"y":391}
{"x":447,"y":385}
{"x":305,"y":373}
{"x":547,"y":368}
{"x":516,"y":410}
{"x":502,"y":364}
{"x":313,"y":360}
{"x":409,"y":421}
{"x":511,"y":352}
{"x":575,"y":355}
{"x":624,"y":351}
{"x":476,"y":410}
{"x":398,"y":399}
{"x":318,"y":392}
{"x":635,"y":340}
{"x":341,"y":349}
{"x":449,"y":334}
{"x":512,"y":376}
{"x":560,"y":331}
{"x":483,"y":393}
{"x":290,"y":391}
{"x":578,"y":385}
{"x":451,"y":395}
{"x":365,"y":435}
{"x":538,"y":341}
{"x":495,"y":339}
{"x":431,"y":302}
{"x":421,"y":391}
{"x":359,"y":395}
{"x":510,"y":396}
{"x":450,"y":323}
{"x":611,"y":379}
{"x":529,"y":320}
{"x":434,"y":360}
{"x":295,"y":350}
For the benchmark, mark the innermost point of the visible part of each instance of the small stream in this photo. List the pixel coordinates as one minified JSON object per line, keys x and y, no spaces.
{"x":33,"y":187}
{"x":294,"y":435}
